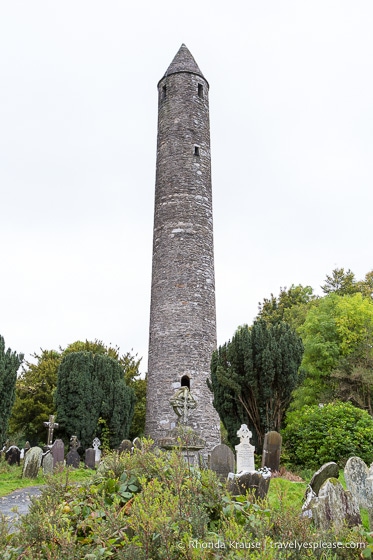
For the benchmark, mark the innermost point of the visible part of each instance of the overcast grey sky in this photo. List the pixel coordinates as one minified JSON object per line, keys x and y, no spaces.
{"x":291,"y":109}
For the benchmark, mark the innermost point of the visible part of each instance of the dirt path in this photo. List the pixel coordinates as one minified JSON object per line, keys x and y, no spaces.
{"x":17,"y":503}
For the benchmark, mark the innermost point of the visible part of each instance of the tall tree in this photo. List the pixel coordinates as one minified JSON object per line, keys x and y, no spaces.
{"x":91,"y":387}
{"x":36,"y":385}
{"x":338,"y":340}
{"x":253,"y":375}
{"x":132,"y":378}
{"x":96,"y":347}
{"x":34,"y":396}
{"x":9,"y":365}
{"x":291,"y":306}
{"x":341,"y":282}
{"x":344,"y":283}
{"x":366,"y":286}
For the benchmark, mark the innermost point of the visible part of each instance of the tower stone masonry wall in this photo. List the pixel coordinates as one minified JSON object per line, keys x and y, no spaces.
{"x":182,"y":333}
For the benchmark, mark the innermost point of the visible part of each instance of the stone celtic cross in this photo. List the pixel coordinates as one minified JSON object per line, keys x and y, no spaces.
{"x":182,"y":402}
{"x":51,"y":424}
{"x":244,"y":434}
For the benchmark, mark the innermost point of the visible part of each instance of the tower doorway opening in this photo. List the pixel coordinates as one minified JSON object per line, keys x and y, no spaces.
{"x":185,"y":382}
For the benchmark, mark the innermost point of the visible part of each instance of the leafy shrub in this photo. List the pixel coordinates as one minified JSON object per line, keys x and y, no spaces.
{"x":315,"y":435}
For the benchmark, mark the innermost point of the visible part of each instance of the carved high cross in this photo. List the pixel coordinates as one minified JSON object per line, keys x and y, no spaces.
{"x":182,"y":402}
{"x":50,"y":425}
{"x":244,"y":434}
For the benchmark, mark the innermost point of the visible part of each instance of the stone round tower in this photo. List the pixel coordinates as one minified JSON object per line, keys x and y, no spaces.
{"x":182,"y":316}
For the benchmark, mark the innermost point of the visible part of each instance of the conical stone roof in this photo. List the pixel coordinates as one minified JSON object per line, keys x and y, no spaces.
{"x":183,"y":62}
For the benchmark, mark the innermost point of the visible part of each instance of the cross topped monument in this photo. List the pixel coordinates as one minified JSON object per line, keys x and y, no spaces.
{"x":51,"y":424}
{"x":244,"y":434}
{"x":245,"y":451}
{"x":182,"y":402}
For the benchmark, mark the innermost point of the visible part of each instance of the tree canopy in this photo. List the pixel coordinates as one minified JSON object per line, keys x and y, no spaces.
{"x":253,"y":375}
{"x":9,"y":364}
{"x":344,"y":283}
{"x":338,"y":337}
{"x":291,"y":306}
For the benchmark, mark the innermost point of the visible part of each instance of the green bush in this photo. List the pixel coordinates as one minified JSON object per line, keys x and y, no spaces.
{"x":315,"y":435}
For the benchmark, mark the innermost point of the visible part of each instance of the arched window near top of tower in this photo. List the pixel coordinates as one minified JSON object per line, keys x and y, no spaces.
{"x":200,"y":90}
{"x":164,"y":92}
{"x":185,"y":382}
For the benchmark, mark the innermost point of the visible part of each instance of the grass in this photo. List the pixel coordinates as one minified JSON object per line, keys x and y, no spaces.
{"x":284,"y":493}
{"x":11,"y":478}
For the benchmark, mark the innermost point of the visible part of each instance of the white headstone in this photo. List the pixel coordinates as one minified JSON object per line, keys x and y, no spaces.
{"x":245,"y":451}
{"x":96,"y":444}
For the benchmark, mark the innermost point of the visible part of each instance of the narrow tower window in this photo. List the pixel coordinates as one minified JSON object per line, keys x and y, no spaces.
{"x":200,"y":90}
{"x":196,"y":150}
{"x":185,"y":382}
{"x":164,"y":92}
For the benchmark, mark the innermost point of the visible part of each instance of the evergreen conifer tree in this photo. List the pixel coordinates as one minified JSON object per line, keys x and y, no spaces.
{"x":252,"y":378}
{"x":9,"y":365}
{"x":90,"y":388}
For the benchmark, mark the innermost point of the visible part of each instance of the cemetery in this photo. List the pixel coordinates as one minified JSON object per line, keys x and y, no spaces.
{"x":146,"y":500}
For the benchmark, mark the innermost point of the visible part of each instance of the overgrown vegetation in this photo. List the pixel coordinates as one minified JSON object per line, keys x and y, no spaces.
{"x":153,"y":506}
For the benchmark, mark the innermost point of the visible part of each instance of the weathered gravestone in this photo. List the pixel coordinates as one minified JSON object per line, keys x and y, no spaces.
{"x":32,"y":462}
{"x":359,"y":482}
{"x":58,"y":452}
{"x":47,"y":463}
{"x":222,"y":460}
{"x":272,"y":451}
{"x":13,"y":455}
{"x":245,"y":451}
{"x":334,"y":506}
{"x":256,"y":482}
{"x":73,"y":457}
{"x":125,"y":446}
{"x":328,"y":470}
{"x":90,"y":458}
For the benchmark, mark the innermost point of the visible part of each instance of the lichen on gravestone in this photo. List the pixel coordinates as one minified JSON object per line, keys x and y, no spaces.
{"x":359,"y":480}
{"x":334,"y":506}
{"x":32,"y":463}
